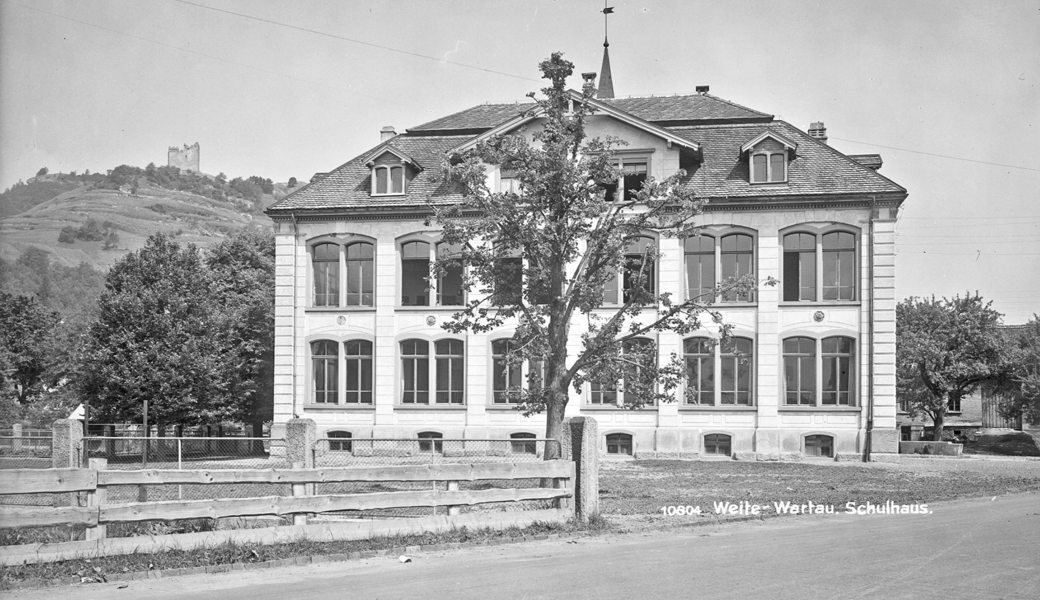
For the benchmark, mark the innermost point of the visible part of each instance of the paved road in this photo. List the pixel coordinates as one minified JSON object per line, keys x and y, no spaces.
{"x":978,"y":549}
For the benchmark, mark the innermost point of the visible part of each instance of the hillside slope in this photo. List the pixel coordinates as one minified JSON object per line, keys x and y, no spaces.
{"x":134,"y":217}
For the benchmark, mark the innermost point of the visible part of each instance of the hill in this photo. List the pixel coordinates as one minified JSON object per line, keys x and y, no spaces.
{"x":132,"y":212}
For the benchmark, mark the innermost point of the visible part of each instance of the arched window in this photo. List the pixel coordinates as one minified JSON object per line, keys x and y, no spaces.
{"x":340,"y":441}
{"x":505,"y":376}
{"x":449,"y":284}
{"x":637,"y":379}
{"x":838,"y":360}
{"x":326,"y":274}
{"x":824,"y":262}
{"x":800,"y":371}
{"x":325,"y":371}
{"x":431,"y":441}
{"x":737,"y":366}
{"x":526,"y":445}
{"x":819,"y":445}
{"x":717,"y":444}
{"x":619,"y":443}
{"x":737,"y":261}
{"x":700,"y":267}
{"x":638,"y":276}
{"x":358,"y":355}
{"x":360,"y":274}
{"x":445,"y":369}
{"x":415,"y":273}
{"x":699,"y":354}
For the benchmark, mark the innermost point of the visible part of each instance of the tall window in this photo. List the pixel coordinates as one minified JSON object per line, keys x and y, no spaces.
{"x":388,"y":180}
{"x":819,"y":262}
{"x":633,"y":175}
{"x":799,"y":267}
{"x":358,"y":354}
{"x":505,"y":376}
{"x":637,"y":377}
{"x":837,"y":370}
{"x":326,"y":275}
{"x":737,"y":361}
{"x":415,"y":372}
{"x":447,"y":375}
{"x":509,"y":276}
{"x":700,"y":267}
{"x":324,"y":366}
{"x":820,"y":378}
{"x":449,"y":284}
{"x":415,"y":273}
{"x":737,"y":261}
{"x":360,"y":275}
{"x":839,"y":266}
{"x":507,"y":182}
{"x":800,"y":370}
{"x":639,"y":275}
{"x":735,"y":368}
{"x":699,"y":354}
{"x":450,"y":370}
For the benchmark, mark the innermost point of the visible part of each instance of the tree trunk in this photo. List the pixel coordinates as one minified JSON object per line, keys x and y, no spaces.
{"x":937,"y":427}
{"x":554,"y":424}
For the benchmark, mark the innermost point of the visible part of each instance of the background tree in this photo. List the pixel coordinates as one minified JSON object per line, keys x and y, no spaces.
{"x":242,"y":271}
{"x":43,"y":171}
{"x":25,"y":329}
{"x":154,"y":339}
{"x":945,"y":350}
{"x":1019,"y":387}
{"x":566,"y":239}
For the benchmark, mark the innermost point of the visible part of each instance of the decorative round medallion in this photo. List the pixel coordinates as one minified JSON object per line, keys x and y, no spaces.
{"x":818,"y":316}
{"x":431,"y":320}
{"x":341,"y":320}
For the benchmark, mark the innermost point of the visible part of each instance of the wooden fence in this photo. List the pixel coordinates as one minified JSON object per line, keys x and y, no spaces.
{"x":98,"y":513}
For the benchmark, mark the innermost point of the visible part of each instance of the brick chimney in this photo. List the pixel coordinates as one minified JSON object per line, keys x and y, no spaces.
{"x":386,"y":133}
{"x":818,"y":131}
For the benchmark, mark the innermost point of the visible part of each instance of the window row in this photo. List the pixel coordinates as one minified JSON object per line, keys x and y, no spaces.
{"x":433,"y":442}
{"x":816,"y":267}
{"x":720,"y":444}
{"x":817,"y":372}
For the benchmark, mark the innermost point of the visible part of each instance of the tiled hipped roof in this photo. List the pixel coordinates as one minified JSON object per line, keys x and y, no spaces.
{"x":719,"y":126}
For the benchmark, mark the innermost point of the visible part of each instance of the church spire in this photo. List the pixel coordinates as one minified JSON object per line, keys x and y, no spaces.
{"x":606,"y":82}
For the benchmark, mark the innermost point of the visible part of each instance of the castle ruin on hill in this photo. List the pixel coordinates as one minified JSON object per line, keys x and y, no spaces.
{"x":186,"y":159}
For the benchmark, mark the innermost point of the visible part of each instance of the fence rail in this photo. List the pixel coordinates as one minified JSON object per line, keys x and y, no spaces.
{"x":99,"y":512}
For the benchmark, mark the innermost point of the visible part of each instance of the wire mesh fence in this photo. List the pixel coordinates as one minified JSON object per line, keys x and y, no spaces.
{"x":30,"y":449}
{"x":358,"y":452}
{"x":189,"y":453}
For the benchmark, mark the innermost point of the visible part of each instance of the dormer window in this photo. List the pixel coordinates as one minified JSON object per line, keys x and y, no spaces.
{"x":387,"y":180}
{"x":769,"y":167}
{"x":392,"y":169}
{"x":768,"y":155}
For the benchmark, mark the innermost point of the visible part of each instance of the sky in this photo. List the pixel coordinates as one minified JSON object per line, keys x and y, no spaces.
{"x":946,"y":91}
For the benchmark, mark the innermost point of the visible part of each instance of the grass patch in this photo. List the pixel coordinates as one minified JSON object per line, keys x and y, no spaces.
{"x":112,"y":567}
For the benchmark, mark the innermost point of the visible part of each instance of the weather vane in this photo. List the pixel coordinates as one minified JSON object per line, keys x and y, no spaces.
{"x":606,"y":11}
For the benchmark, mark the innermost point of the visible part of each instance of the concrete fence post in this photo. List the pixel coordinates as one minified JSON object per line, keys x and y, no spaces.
{"x":584,"y":450}
{"x":67,"y":439}
{"x":300,"y":435}
{"x":16,"y":434}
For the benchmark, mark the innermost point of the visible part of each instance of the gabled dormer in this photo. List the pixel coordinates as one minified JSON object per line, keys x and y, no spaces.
{"x":392,"y":169}
{"x":768,"y":156}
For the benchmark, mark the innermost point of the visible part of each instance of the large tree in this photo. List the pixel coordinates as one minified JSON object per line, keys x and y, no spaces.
{"x":155,"y":339}
{"x":566,"y":235}
{"x":26,"y":329}
{"x":946,"y":349}
{"x":242,"y":271}
{"x":1019,"y":386}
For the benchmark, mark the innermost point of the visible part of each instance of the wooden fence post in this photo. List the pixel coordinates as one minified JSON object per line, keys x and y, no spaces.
{"x":585,"y":451}
{"x":453,"y":486}
{"x":299,"y":490}
{"x":96,"y":499}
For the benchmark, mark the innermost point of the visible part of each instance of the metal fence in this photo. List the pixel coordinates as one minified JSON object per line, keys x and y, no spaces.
{"x":193,"y":453}
{"x":26,"y":449}
{"x":373,"y":452}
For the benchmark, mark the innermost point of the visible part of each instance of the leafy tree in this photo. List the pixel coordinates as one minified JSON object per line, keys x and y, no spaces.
{"x":945,"y":350}
{"x":25,"y":327}
{"x":43,"y":171}
{"x":292,"y":182}
{"x":1019,"y":386}
{"x":154,"y":339}
{"x":571,"y":238}
{"x":242,"y":271}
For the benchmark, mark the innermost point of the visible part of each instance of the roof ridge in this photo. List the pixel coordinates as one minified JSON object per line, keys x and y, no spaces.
{"x":456,"y":113}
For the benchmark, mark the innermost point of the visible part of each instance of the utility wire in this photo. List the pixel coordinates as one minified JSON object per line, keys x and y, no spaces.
{"x":353,"y":41}
{"x":939,"y":155}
